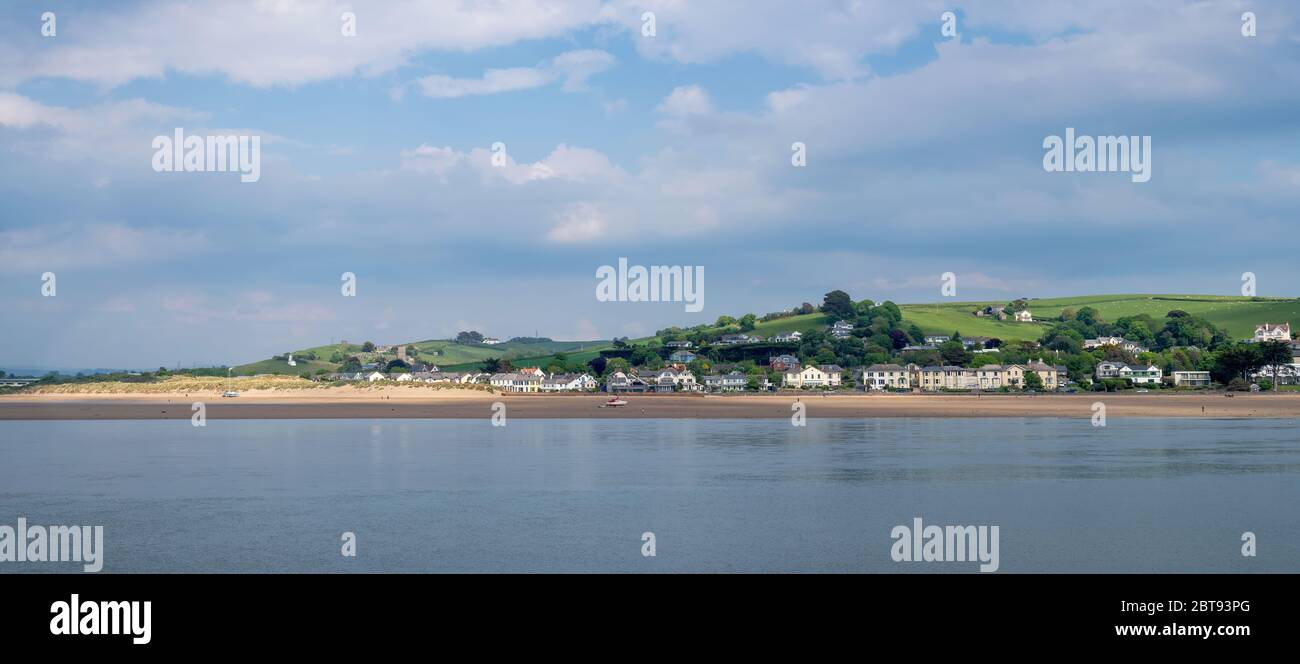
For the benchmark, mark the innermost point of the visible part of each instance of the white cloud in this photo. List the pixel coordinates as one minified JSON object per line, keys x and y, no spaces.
{"x":685,"y":101}
{"x":580,"y":223}
{"x":493,"y":81}
{"x":572,"y":68}
{"x":273,"y":42}
{"x":564,"y":163}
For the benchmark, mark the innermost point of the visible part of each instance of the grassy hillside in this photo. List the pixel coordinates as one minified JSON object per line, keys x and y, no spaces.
{"x":1239,"y":315}
{"x":445,"y":354}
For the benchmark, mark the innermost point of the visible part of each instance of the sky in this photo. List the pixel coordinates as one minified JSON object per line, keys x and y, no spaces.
{"x":923,"y":155}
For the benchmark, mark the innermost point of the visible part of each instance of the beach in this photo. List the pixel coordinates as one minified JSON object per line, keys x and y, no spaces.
{"x":401,"y":402}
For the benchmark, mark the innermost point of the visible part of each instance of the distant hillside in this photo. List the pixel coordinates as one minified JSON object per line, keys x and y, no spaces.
{"x":439,"y":352}
{"x":1239,"y":315}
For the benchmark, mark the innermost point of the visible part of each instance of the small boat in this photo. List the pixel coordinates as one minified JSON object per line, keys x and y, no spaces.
{"x":614,"y":403}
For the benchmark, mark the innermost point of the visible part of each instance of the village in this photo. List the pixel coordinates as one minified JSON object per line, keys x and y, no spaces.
{"x":688,"y":367}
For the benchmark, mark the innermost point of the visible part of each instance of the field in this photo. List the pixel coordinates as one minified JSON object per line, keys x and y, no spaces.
{"x":1239,"y":315}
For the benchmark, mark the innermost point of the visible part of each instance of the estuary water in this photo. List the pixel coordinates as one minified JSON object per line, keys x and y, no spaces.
{"x":1139,"y":495}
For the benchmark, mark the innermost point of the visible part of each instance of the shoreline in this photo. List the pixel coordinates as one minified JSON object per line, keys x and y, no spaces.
{"x":466,"y":404}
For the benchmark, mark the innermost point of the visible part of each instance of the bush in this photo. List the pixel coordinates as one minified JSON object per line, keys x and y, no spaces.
{"x":1238,"y":385}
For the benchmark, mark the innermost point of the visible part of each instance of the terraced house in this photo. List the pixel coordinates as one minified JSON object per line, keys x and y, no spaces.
{"x":934,"y":378}
{"x":1049,"y":374}
{"x":886,"y":377}
{"x":516,"y":382}
{"x":731,"y":382}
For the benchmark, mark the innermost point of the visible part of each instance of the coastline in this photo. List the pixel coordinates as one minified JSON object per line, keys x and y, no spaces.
{"x":467,"y":404}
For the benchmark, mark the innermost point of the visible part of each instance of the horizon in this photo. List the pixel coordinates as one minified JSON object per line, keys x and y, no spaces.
{"x":922,"y":155}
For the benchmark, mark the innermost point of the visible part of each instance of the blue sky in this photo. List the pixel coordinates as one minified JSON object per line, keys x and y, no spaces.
{"x":924,"y":157}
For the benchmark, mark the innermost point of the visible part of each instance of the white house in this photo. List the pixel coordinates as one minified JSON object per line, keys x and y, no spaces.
{"x":826,"y":375}
{"x":622,"y":382}
{"x":568,"y":383}
{"x":1109,"y":369}
{"x":1191,"y":378}
{"x":788,"y":337}
{"x":1023,"y":316}
{"x":1271,"y":332}
{"x":842,"y":329}
{"x":670,"y":380}
{"x":683,"y":356}
{"x":735,"y":381}
{"x":1141,"y":375}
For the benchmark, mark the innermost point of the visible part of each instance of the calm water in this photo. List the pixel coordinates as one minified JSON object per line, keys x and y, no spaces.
{"x":1141,"y":495}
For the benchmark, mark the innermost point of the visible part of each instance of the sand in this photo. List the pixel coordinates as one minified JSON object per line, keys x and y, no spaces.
{"x":416,"y":403}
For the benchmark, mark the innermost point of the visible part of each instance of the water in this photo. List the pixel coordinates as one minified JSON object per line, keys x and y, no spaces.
{"x":1141,"y":495}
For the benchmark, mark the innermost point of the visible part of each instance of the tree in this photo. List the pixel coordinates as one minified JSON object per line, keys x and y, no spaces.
{"x":597,"y":365}
{"x":1088,"y":316}
{"x":1033,"y":381}
{"x":899,"y":338}
{"x":954,"y":353}
{"x":1275,"y":355}
{"x":368,"y":347}
{"x":748,"y":322}
{"x":494,"y":365}
{"x":470,"y":337}
{"x":838,"y":304}
{"x":1236,"y":361}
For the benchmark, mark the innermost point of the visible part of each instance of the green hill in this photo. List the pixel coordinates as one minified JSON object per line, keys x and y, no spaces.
{"x":1239,"y":315}
{"x":443,"y":353}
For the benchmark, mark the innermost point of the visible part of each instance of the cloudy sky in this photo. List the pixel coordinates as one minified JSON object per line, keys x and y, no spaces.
{"x":924,"y":156}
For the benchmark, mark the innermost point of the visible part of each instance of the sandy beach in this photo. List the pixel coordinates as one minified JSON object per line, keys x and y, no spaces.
{"x":416,"y":403}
